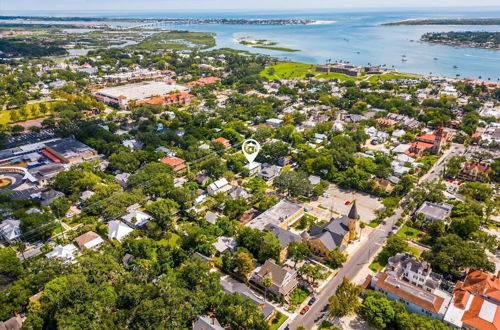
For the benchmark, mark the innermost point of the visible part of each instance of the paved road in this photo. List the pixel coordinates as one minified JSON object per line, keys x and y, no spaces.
{"x":364,"y":253}
{"x":436,"y":172}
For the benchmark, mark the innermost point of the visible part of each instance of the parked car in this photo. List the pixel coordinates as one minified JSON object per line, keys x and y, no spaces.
{"x":311,"y":301}
{"x":305,"y":309}
{"x":347,"y":203}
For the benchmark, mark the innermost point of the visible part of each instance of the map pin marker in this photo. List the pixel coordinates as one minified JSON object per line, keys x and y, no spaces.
{"x":250,"y":149}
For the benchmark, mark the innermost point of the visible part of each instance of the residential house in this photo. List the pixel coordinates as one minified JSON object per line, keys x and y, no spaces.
{"x":47,"y":197}
{"x":211,"y":217}
{"x":225,"y":142}
{"x":320,"y":138}
{"x":89,"y":240}
{"x":416,"y":300}
{"x":122,"y":179}
{"x":202,"y":178}
{"x":314,"y":180}
{"x":177,"y":164}
{"x":14,"y":323}
{"x":253,"y":168}
{"x":86,"y":195}
{"x":336,"y":233}
{"x":435,"y":211}
{"x":269,"y":172}
{"x":231,"y":286}
{"x":274,"y":122}
{"x":282,"y":215}
{"x":408,"y":268}
{"x":284,"y":161}
{"x":239,"y":192}
{"x":118,"y":230}
{"x":133,"y":144}
{"x":10,"y":230}
{"x":205,"y":322}
{"x":66,"y":252}
{"x":218,"y":187}
{"x":475,"y":303}
{"x":473,"y":171}
{"x":284,"y":279}
{"x":136,"y":218}
{"x":224,"y":244}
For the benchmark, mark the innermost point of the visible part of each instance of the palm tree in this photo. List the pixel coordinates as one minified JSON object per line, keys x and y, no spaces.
{"x":267,"y":282}
{"x":22,"y":248}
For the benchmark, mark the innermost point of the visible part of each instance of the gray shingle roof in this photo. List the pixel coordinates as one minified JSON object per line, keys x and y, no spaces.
{"x":285,"y":236}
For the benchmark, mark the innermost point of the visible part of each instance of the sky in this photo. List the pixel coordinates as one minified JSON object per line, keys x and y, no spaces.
{"x":126,"y":5}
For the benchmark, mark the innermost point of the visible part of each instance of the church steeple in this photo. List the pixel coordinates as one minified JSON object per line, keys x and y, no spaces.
{"x":353,"y":222}
{"x":353,"y":213}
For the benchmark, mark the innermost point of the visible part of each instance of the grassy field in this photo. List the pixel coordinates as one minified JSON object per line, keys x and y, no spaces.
{"x":32,"y":112}
{"x":177,"y":40}
{"x":292,"y":70}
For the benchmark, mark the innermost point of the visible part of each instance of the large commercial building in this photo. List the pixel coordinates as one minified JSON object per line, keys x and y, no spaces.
{"x":68,"y":151}
{"x":120,"y":96}
{"x":282,"y":215}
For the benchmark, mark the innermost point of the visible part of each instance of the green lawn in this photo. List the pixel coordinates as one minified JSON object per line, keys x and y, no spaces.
{"x":172,"y":241}
{"x":299,"y":295}
{"x":292,"y":70}
{"x":278,"y":320}
{"x":390,"y":76}
{"x":288,"y":70}
{"x":408,"y":232}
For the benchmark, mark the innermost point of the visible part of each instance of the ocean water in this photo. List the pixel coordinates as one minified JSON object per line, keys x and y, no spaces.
{"x":356,"y":37}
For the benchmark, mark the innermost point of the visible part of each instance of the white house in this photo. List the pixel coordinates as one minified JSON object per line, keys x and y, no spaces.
{"x":219,"y":186}
{"x":89,"y":240}
{"x":136,"y":218}
{"x":10,"y":229}
{"x":253,"y":168}
{"x":118,"y":230}
{"x":275,"y":122}
{"x":66,"y":252}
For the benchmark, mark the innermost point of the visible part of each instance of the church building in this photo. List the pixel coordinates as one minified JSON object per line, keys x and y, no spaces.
{"x":338,"y":232}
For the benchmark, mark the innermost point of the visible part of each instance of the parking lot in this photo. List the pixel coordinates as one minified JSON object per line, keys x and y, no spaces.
{"x":336,"y":200}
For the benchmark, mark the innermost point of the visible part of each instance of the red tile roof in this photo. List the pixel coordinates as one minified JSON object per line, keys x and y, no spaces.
{"x":204,"y":81}
{"x":222,"y":140}
{"x":472,"y":316}
{"x":421,"y":145}
{"x":172,"y":161}
{"x":480,"y":287}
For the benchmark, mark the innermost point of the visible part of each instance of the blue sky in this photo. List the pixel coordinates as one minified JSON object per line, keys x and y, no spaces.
{"x":29,"y":5}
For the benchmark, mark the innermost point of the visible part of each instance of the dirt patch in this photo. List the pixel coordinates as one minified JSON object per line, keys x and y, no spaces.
{"x":4,"y":182}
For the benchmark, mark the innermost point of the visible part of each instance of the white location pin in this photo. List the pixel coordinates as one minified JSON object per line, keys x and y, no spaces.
{"x":250,"y":149}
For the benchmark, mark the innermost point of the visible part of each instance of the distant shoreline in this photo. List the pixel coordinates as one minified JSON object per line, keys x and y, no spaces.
{"x":447,"y":21}
{"x":146,"y":21}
